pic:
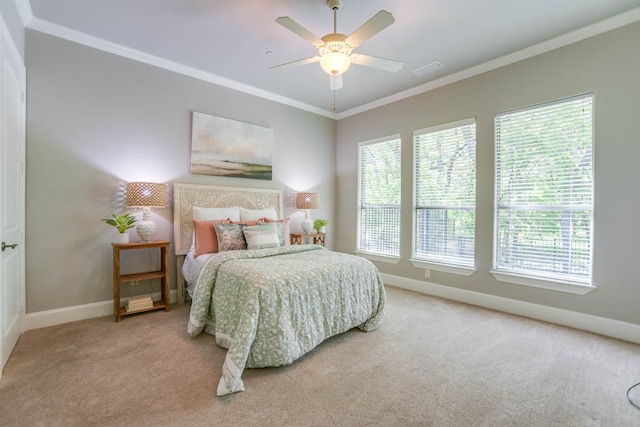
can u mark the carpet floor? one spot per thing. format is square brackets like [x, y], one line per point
[433, 362]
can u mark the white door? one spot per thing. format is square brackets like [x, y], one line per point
[12, 196]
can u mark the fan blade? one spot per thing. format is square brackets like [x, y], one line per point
[297, 63]
[335, 82]
[375, 62]
[293, 26]
[373, 26]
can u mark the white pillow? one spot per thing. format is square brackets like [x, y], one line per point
[261, 236]
[256, 214]
[212, 214]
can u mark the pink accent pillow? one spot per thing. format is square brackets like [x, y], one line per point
[206, 238]
[282, 228]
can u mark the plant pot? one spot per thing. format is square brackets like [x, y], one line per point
[121, 238]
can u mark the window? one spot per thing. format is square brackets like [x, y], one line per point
[544, 192]
[379, 197]
[445, 194]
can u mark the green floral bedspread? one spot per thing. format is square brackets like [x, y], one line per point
[269, 307]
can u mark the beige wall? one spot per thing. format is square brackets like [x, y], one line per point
[608, 65]
[97, 120]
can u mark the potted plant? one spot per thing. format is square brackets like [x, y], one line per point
[319, 224]
[122, 223]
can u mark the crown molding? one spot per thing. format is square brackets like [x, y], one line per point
[62, 32]
[600, 27]
[597, 28]
[24, 10]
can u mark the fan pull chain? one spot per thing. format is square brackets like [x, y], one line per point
[334, 91]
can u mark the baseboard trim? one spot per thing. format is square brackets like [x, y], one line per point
[586, 322]
[43, 319]
[599, 325]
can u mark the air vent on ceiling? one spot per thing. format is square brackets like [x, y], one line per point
[429, 68]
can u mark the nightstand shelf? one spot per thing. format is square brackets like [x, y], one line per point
[162, 274]
[157, 305]
[298, 238]
[141, 276]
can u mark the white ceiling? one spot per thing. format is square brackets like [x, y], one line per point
[227, 41]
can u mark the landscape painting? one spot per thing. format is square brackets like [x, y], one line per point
[231, 148]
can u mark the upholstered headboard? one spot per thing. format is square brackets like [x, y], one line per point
[186, 196]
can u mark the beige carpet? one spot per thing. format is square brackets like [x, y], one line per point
[432, 363]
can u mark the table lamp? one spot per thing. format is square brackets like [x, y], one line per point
[146, 195]
[307, 201]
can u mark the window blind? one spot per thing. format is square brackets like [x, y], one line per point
[544, 191]
[379, 179]
[445, 193]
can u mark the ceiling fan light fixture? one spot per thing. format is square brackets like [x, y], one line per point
[334, 54]
[335, 49]
[335, 63]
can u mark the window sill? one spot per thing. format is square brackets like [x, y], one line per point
[570, 288]
[377, 257]
[445, 268]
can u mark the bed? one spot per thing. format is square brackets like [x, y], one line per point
[270, 304]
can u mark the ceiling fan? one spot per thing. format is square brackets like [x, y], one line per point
[334, 49]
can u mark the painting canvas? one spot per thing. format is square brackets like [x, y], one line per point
[227, 147]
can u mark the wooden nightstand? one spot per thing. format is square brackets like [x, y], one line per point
[162, 274]
[298, 238]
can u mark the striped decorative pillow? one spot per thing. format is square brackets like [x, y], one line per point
[261, 236]
[282, 228]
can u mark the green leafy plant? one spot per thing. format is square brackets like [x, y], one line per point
[319, 223]
[121, 222]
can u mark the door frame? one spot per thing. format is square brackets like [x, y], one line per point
[9, 52]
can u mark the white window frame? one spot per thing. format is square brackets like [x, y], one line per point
[376, 256]
[452, 266]
[544, 281]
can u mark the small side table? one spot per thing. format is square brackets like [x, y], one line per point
[298, 238]
[162, 274]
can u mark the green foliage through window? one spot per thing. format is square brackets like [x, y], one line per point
[544, 190]
[445, 193]
[379, 180]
